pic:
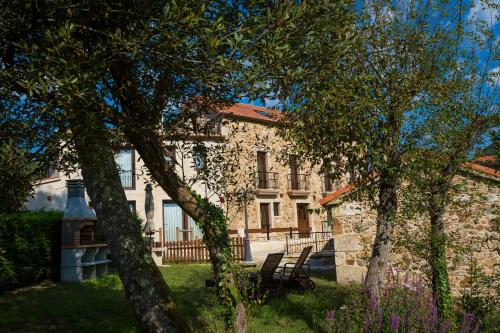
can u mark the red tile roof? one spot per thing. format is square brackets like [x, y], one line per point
[491, 158]
[337, 194]
[251, 112]
[482, 169]
[470, 165]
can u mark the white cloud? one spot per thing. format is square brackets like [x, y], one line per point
[269, 103]
[484, 11]
[494, 74]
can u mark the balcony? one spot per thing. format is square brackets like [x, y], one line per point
[299, 185]
[128, 180]
[267, 183]
[329, 184]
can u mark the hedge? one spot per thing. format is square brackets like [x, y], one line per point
[29, 248]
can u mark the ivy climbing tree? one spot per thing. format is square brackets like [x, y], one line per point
[100, 71]
[353, 87]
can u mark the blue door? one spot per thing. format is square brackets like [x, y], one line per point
[177, 225]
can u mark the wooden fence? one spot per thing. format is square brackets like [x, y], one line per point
[196, 251]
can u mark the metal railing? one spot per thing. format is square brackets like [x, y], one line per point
[267, 180]
[127, 179]
[295, 242]
[329, 183]
[299, 181]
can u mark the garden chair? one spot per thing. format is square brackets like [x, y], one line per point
[263, 282]
[297, 279]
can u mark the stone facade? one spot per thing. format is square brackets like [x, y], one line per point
[261, 137]
[471, 223]
[256, 134]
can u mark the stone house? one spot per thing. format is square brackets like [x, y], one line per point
[471, 221]
[285, 196]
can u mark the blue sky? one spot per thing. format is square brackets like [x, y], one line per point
[485, 10]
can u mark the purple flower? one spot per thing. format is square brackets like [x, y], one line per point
[444, 327]
[467, 319]
[433, 316]
[394, 319]
[330, 315]
[373, 301]
[476, 329]
[367, 325]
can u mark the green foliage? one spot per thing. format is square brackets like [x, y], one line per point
[481, 296]
[17, 174]
[29, 247]
[226, 288]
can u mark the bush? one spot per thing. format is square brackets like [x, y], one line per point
[29, 248]
[482, 296]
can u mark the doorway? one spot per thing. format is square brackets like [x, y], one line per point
[303, 220]
[265, 221]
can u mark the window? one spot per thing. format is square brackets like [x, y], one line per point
[262, 169]
[126, 165]
[328, 183]
[52, 172]
[352, 175]
[170, 155]
[131, 206]
[199, 159]
[276, 209]
[295, 181]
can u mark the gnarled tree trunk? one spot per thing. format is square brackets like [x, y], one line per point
[209, 218]
[146, 290]
[139, 126]
[386, 213]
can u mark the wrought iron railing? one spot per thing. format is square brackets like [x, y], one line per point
[299, 181]
[295, 242]
[267, 180]
[329, 183]
[127, 179]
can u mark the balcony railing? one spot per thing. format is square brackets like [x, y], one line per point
[299, 182]
[267, 180]
[329, 184]
[127, 179]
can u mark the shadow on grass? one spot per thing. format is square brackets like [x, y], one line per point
[299, 312]
[100, 306]
[92, 306]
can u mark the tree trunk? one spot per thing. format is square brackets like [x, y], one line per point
[386, 213]
[209, 218]
[145, 288]
[140, 126]
[440, 282]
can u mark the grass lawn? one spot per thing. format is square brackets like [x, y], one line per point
[100, 306]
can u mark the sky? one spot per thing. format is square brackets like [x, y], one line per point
[481, 9]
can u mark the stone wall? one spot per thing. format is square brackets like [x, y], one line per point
[469, 223]
[262, 137]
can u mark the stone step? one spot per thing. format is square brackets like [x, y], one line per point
[321, 262]
[325, 268]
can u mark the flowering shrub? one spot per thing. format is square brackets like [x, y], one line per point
[402, 307]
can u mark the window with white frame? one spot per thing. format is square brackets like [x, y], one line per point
[126, 165]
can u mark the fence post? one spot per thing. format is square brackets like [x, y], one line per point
[316, 241]
[286, 244]
[290, 232]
